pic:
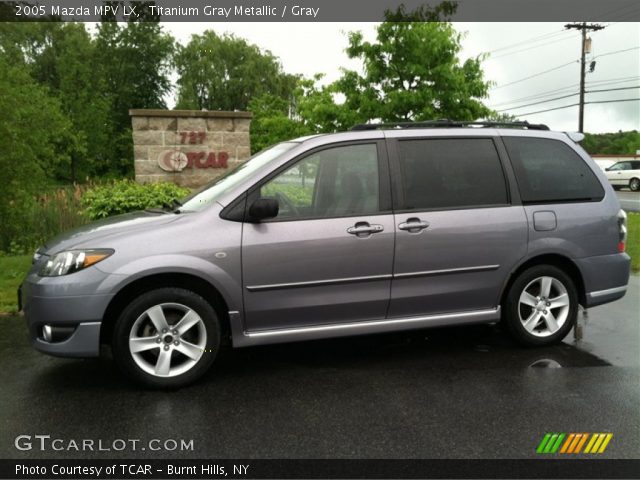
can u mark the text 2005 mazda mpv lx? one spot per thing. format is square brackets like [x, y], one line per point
[385, 227]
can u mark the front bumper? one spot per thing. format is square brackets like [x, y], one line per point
[79, 317]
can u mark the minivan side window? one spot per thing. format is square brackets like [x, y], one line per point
[451, 173]
[549, 171]
[334, 182]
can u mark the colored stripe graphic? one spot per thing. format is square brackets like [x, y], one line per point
[607, 439]
[556, 446]
[543, 443]
[582, 440]
[573, 443]
[598, 443]
[594, 437]
[567, 442]
[550, 443]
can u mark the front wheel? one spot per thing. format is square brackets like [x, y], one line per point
[541, 306]
[166, 338]
[634, 184]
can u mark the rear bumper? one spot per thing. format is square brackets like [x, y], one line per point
[605, 277]
[600, 297]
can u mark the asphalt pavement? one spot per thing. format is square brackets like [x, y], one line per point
[629, 201]
[464, 392]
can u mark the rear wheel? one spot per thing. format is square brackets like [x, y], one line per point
[616, 187]
[541, 306]
[166, 338]
[634, 184]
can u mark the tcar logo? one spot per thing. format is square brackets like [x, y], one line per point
[172, 161]
[176, 161]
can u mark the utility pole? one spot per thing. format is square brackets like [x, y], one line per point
[583, 26]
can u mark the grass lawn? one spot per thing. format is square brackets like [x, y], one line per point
[13, 269]
[12, 272]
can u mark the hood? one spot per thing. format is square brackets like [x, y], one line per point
[97, 234]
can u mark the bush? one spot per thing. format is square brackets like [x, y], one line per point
[31, 220]
[127, 196]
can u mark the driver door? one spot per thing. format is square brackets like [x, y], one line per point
[327, 257]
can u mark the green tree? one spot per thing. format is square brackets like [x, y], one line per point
[273, 122]
[617, 143]
[412, 72]
[225, 73]
[33, 133]
[80, 91]
[317, 107]
[134, 62]
[502, 117]
[61, 57]
[97, 81]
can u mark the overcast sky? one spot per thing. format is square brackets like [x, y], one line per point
[518, 50]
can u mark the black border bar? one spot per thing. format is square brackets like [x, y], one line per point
[393, 468]
[322, 10]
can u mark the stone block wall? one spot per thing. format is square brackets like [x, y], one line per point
[188, 147]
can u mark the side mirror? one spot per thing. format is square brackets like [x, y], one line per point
[263, 208]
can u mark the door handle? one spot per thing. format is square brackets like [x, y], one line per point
[364, 229]
[413, 225]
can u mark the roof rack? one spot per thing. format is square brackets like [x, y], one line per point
[448, 124]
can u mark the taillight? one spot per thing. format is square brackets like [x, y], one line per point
[622, 230]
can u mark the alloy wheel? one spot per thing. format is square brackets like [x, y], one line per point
[543, 306]
[167, 340]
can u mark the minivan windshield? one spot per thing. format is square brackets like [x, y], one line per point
[208, 194]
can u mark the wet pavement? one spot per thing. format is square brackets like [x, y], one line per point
[465, 392]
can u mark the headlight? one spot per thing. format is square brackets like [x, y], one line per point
[71, 261]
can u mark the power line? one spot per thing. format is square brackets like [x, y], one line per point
[606, 54]
[538, 103]
[576, 105]
[529, 48]
[545, 36]
[612, 80]
[562, 90]
[537, 95]
[612, 89]
[567, 96]
[536, 75]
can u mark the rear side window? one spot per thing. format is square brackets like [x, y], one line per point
[549, 171]
[451, 173]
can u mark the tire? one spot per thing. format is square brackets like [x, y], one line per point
[634, 184]
[616, 187]
[532, 319]
[166, 355]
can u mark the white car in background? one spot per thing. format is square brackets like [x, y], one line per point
[625, 173]
[604, 164]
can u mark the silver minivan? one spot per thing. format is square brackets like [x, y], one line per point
[382, 228]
